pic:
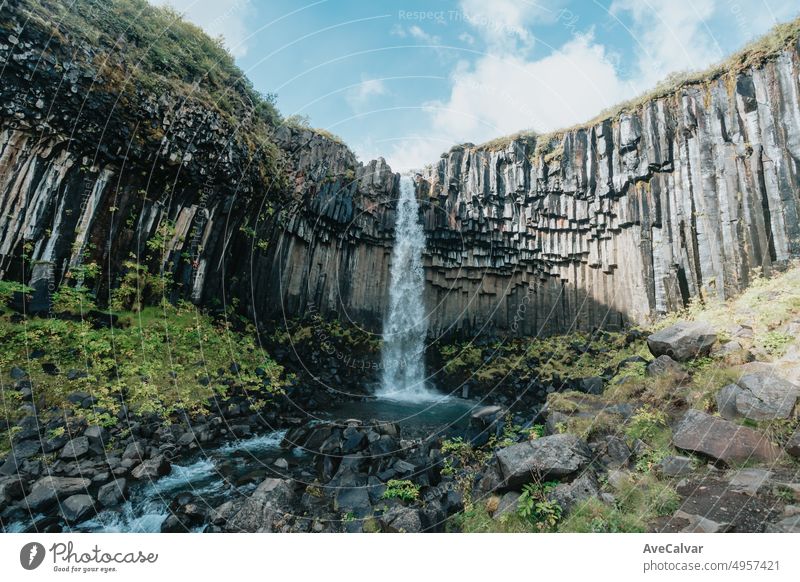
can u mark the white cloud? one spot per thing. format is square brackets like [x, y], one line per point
[669, 37]
[417, 32]
[504, 24]
[466, 38]
[359, 95]
[502, 94]
[225, 19]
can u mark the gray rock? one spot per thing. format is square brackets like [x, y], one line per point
[262, 511]
[666, 366]
[721, 439]
[549, 457]
[613, 451]
[676, 466]
[786, 525]
[135, 450]
[793, 445]
[402, 520]
[47, 490]
[75, 449]
[281, 464]
[354, 500]
[700, 524]
[593, 385]
[26, 449]
[113, 493]
[726, 401]
[11, 488]
[11, 466]
[78, 508]
[98, 437]
[683, 341]
[618, 478]
[152, 468]
[766, 397]
[507, 505]
[570, 495]
[750, 481]
[486, 415]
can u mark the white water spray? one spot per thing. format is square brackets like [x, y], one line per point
[405, 327]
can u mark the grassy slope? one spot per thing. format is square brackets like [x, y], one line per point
[166, 360]
[771, 306]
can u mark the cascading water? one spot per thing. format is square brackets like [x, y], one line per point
[405, 327]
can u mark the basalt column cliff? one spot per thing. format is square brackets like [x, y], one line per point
[682, 197]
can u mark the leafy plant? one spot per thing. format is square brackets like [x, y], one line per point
[404, 490]
[646, 424]
[534, 505]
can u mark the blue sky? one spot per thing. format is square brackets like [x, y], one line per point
[407, 79]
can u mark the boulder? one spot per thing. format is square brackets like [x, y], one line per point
[750, 481]
[113, 493]
[506, 505]
[262, 511]
[402, 520]
[135, 451]
[765, 396]
[11, 466]
[700, 524]
[486, 416]
[593, 385]
[683, 341]
[666, 366]
[722, 440]
[612, 451]
[569, 495]
[793, 445]
[786, 525]
[675, 466]
[152, 468]
[550, 457]
[726, 401]
[75, 449]
[11, 488]
[98, 437]
[47, 490]
[26, 449]
[353, 500]
[78, 508]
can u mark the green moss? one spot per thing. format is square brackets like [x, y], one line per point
[153, 359]
[591, 426]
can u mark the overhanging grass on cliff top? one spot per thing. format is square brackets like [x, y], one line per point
[752, 55]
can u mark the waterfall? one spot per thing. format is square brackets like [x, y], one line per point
[405, 327]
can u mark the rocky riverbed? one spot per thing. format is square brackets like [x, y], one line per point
[448, 465]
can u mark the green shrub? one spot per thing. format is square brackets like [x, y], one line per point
[534, 506]
[404, 490]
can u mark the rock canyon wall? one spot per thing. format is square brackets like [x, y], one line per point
[685, 195]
